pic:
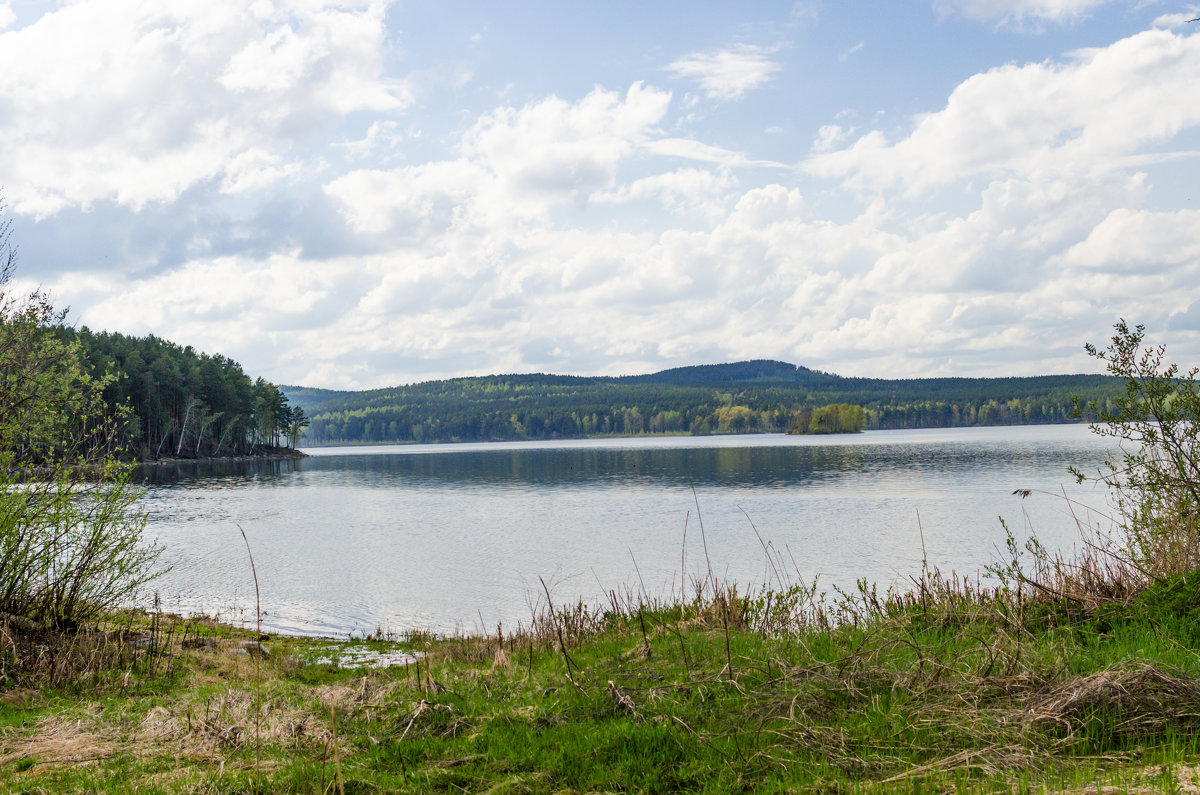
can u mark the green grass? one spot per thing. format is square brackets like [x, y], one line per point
[721, 694]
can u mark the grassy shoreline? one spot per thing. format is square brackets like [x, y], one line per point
[947, 687]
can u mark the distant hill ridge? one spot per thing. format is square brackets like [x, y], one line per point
[761, 371]
[759, 395]
[749, 372]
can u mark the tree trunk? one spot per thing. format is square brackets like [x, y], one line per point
[191, 404]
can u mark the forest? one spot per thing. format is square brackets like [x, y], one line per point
[746, 397]
[171, 401]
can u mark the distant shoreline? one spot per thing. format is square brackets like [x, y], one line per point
[665, 434]
[283, 454]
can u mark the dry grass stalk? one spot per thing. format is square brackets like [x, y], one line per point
[989, 762]
[1147, 699]
[59, 740]
[622, 700]
[203, 731]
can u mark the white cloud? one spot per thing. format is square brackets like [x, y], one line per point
[460, 289]
[1128, 240]
[830, 136]
[683, 190]
[254, 169]
[597, 233]
[856, 48]
[1082, 116]
[689, 149]
[7, 17]
[1017, 11]
[515, 163]
[807, 11]
[755, 272]
[407, 199]
[135, 101]
[1174, 20]
[381, 136]
[730, 73]
[554, 149]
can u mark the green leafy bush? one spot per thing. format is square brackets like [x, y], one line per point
[1156, 478]
[70, 547]
[70, 530]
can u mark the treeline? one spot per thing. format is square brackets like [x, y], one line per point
[172, 401]
[747, 397]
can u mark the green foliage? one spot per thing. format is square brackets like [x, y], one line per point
[1156, 479]
[835, 418]
[750, 397]
[49, 407]
[70, 533]
[71, 544]
[182, 403]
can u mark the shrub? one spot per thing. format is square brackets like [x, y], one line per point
[70, 547]
[70, 530]
[1156, 478]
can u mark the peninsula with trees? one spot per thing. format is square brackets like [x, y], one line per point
[171, 401]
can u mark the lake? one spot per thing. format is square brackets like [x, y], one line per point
[456, 537]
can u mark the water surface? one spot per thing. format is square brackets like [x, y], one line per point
[449, 537]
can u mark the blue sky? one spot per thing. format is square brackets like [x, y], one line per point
[357, 194]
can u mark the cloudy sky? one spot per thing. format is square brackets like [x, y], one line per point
[355, 194]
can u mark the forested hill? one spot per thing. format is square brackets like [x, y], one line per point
[758, 371]
[308, 398]
[743, 397]
[175, 402]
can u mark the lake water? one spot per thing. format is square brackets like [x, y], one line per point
[455, 537]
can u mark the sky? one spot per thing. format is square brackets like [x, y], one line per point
[362, 194]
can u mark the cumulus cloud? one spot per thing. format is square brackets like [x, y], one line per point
[687, 188]
[555, 148]
[1177, 19]
[727, 74]
[590, 233]
[254, 169]
[135, 101]
[1080, 116]
[1052, 235]
[1127, 240]
[514, 163]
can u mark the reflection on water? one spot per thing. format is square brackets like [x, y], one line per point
[777, 466]
[204, 474]
[436, 536]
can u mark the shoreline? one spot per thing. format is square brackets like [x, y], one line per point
[679, 434]
[945, 687]
[284, 454]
